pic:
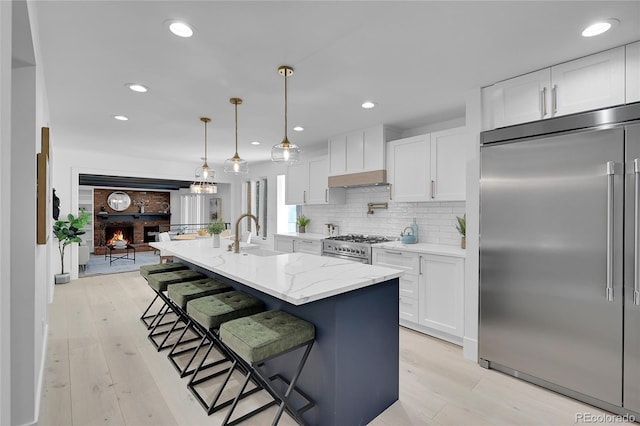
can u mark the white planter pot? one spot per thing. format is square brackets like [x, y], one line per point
[62, 278]
[216, 240]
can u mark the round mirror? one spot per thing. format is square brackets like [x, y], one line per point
[119, 201]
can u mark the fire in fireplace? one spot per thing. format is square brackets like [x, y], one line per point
[114, 233]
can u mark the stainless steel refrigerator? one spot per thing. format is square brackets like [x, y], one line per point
[559, 253]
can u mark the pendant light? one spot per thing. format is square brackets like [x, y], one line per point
[235, 164]
[285, 151]
[203, 183]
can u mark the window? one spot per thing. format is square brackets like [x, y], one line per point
[194, 211]
[286, 214]
[254, 201]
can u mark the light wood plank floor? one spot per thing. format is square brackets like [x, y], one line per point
[102, 370]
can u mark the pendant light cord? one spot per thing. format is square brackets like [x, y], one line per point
[286, 139]
[236, 105]
[205, 143]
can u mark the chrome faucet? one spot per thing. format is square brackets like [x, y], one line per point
[236, 241]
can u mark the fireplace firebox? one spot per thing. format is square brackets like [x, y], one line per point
[113, 232]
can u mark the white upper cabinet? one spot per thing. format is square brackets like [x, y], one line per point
[518, 100]
[592, 82]
[307, 183]
[633, 72]
[408, 171]
[588, 83]
[359, 151]
[429, 167]
[449, 164]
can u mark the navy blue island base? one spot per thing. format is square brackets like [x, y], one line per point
[353, 370]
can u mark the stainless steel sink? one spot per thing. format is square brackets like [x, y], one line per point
[259, 252]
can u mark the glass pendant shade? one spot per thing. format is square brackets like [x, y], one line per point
[203, 183]
[285, 151]
[235, 164]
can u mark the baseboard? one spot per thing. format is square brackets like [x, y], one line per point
[40, 384]
[470, 349]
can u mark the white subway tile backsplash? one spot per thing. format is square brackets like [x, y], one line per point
[436, 220]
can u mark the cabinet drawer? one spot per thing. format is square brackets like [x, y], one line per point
[409, 309]
[409, 285]
[397, 259]
[307, 246]
[284, 245]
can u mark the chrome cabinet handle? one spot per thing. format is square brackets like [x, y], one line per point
[393, 252]
[304, 197]
[636, 251]
[554, 99]
[326, 195]
[390, 197]
[420, 265]
[433, 189]
[544, 101]
[610, 229]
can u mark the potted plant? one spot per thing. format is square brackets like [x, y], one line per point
[461, 226]
[215, 229]
[68, 232]
[302, 221]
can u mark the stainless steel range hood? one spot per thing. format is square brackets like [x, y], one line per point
[372, 178]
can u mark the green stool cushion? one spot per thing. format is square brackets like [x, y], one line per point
[159, 282]
[183, 292]
[147, 270]
[265, 335]
[211, 311]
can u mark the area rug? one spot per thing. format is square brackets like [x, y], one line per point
[98, 265]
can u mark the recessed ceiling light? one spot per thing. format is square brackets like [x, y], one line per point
[121, 117]
[181, 29]
[599, 27]
[255, 143]
[298, 128]
[137, 87]
[368, 104]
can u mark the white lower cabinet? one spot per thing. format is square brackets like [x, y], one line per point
[307, 246]
[283, 244]
[431, 298]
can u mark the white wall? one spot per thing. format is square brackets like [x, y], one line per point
[23, 263]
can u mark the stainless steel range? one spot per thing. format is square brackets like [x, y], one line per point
[352, 247]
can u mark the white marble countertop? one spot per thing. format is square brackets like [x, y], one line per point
[424, 248]
[297, 278]
[305, 236]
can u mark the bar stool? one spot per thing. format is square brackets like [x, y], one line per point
[258, 338]
[159, 283]
[180, 295]
[147, 270]
[207, 314]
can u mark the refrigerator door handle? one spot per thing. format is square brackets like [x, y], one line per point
[611, 167]
[636, 224]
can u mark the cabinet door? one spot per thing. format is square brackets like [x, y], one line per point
[282, 244]
[337, 155]
[520, 99]
[408, 167]
[449, 164]
[297, 183]
[307, 246]
[318, 182]
[355, 152]
[374, 149]
[633, 72]
[592, 82]
[441, 294]
[409, 309]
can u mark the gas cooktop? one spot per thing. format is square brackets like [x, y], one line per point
[359, 238]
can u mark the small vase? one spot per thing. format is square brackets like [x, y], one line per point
[141, 209]
[302, 229]
[463, 242]
[216, 240]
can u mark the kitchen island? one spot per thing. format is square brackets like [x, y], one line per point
[352, 371]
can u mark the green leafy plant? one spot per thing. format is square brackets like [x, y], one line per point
[461, 226]
[303, 220]
[215, 227]
[69, 231]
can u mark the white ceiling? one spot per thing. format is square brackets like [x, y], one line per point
[416, 59]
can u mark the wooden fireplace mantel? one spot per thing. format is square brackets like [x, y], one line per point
[133, 217]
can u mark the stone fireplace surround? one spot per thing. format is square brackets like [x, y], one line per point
[156, 203]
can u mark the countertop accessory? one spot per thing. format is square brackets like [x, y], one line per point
[285, 151]
[407, 236]
[461, 226]
[235, 164]
[203, 183]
